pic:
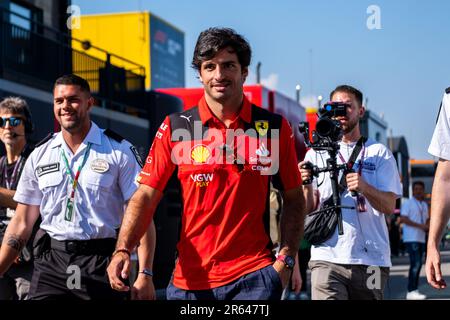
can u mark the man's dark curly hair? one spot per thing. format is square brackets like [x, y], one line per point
[213, 40]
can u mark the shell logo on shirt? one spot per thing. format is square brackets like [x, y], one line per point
[200, 154]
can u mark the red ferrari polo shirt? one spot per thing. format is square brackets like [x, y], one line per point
[225, 183]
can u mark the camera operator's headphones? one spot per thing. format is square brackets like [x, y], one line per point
[28, 122]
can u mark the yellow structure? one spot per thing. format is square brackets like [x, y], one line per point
[127, 35]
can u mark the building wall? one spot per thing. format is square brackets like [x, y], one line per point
[372, 126]
[140, 37]
[124, 34]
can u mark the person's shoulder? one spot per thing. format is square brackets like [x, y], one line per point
[406, 203]
[258, 112]
[184, 114]
[42, 145]
[114, 136]
[183, 118]
[122, 145]
[378, 150]
[117, 140]
[313, 155]
[40, 149]
[376, 146]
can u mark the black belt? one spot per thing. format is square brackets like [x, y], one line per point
[95, 246]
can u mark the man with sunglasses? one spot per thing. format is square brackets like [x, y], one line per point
[224, 251]
[15, 126]
[79, 181]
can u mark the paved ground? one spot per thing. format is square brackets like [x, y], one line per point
[397, 284]
[398, 280]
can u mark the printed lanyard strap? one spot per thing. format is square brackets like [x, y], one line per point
[10, 180]
[74, 180]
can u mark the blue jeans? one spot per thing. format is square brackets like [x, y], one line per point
[415, 252]
[262, 284]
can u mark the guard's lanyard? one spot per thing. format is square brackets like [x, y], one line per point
[73, 180]
[10, 180]
[350, 164]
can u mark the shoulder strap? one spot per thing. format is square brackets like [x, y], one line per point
[352, 159]
[27, 150]
[356, 151]
[113, 135]
[48, 137]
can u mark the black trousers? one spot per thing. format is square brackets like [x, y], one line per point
[71, 275]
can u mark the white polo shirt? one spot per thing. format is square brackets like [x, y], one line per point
[106, 182]
[365, 240]
[440, 142]
[416, 211]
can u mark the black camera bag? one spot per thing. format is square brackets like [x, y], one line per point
[320, 224]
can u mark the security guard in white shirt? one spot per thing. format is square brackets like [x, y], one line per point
[79, 181]
[440, 201]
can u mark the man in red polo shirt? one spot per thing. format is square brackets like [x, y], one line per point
[227, 151]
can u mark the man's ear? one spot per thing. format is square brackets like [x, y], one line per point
[245, 73]
[362, 111]
[199, 76]
[91, 102]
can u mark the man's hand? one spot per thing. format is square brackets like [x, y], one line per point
[355, 182]
[119, 267]
[433, 268]
[283, 272]
[143, 288]
[296, 279]
[305, 171]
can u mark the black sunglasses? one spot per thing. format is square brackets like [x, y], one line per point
[13, 121]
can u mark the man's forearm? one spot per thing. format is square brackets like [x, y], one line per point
[411, 223]
[308, 193]
[137, 217]
[16, 235]
[440, 203]
[6, 198]
[380, 200]
[292, 221]
[146, 249]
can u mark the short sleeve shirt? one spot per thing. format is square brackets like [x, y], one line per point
[440, 142]
[106, 182]
[225, 193]
[416, 211]
[365, 239]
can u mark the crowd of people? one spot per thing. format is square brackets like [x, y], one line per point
[75, 206]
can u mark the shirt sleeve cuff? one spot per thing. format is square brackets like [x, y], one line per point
[20, 198]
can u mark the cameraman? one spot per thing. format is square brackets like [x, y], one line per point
[340, 266]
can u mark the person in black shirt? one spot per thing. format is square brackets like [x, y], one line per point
[15, 126]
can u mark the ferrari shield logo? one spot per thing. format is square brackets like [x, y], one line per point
[262, 126]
